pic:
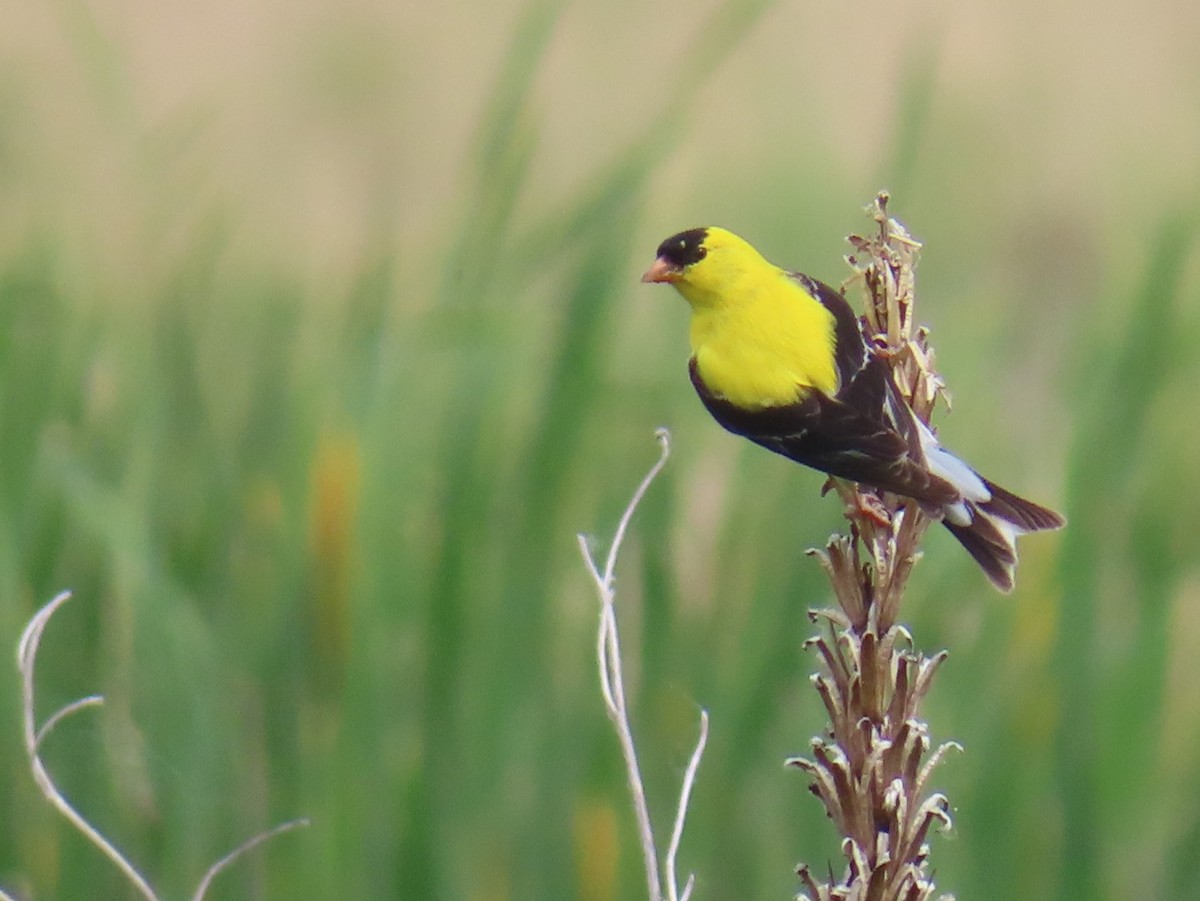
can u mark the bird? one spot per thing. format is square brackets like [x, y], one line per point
[780, 358]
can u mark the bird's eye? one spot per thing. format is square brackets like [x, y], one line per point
[701, 253]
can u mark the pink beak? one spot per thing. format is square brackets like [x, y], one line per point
[661, 271]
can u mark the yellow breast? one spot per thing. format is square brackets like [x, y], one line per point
[768, 344]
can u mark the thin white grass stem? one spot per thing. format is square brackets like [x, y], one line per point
[685, 795]
[612, 685]
[59, 716]
[27, 650]
[664, 443]
[588, 561]
[608, 654]
[619, 715]
[243, 848]
[610, 703]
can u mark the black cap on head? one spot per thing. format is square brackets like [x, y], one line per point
[685, 248]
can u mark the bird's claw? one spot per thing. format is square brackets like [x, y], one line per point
[869, 507]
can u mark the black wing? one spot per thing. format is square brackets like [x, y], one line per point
[850, 353]
[852, 436]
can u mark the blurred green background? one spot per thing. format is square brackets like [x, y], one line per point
[321, 336]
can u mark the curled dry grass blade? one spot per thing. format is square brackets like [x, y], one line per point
[35, 735]
[612, 687]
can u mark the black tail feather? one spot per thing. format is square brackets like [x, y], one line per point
[1025, 515]
[990, 537]
[992, 549]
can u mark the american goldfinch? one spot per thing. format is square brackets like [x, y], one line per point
[780, 358]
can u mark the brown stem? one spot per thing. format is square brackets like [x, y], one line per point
[870, 769]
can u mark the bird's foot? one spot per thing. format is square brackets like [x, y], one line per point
[871, 508]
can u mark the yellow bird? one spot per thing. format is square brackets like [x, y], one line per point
[779, 358]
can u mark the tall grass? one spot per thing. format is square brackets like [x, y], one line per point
[1112, 663]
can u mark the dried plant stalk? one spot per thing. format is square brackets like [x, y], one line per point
[612, 687]
[35, 735]
[871, 770]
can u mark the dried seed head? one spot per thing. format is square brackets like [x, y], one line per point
[872, 775]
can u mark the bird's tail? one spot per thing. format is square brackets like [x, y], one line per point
[989, 530]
